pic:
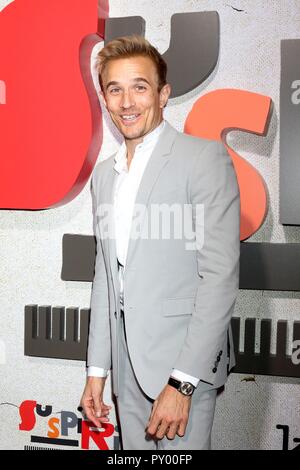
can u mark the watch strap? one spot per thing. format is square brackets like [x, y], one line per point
[174, 383]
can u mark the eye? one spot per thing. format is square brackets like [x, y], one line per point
[114, 91]
[140, 88]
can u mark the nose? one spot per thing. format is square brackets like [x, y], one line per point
[127, 99]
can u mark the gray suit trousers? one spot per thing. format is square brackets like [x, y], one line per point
[134, 409]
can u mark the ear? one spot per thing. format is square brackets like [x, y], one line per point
[101, 94]
[164, 95]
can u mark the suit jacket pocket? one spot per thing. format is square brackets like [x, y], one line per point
[178, 306]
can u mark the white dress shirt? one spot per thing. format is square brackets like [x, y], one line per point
[127, 184]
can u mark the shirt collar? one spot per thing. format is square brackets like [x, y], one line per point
[148, 140]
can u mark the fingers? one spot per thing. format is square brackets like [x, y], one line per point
[159, 427]
[153, 425]
[182, 428]
[88, 414]
[162, 430]
[96, 413]
[172, 431]
[165, 429]
[102, 412]
[100, 409]
[154, 406]
[97, 405]
[105, 410]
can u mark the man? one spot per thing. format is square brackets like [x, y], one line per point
[160, 306]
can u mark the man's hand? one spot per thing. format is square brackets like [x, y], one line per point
[92, 401]
[170, 414]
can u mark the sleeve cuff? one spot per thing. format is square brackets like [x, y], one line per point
[177, 374]
[96, 372]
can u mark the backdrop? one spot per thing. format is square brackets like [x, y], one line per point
[39, 396]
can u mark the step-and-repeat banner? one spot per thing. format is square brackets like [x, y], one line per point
[234, 69]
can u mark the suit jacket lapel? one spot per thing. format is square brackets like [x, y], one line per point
[156, 163]
[110, 241]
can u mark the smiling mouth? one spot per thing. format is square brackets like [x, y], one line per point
[128, 119]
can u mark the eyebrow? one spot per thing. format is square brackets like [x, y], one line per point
[138, 79]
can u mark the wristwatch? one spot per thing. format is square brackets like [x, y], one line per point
[186, 388]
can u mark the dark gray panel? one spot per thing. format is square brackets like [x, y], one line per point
[194, 46]
[66, 341]
[194, 50]
[123, 26]
[79, 252]
[270, 266]
[264, 363]
[249, 346]
[265, 266]
[290, 133]
[74, 346]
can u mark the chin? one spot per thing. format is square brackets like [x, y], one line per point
[132, 134]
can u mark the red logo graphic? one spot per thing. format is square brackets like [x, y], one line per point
[50, 117]
[58, 428]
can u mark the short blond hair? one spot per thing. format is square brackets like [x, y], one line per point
[131, 46]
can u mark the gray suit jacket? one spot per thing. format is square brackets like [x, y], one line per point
[178, 302]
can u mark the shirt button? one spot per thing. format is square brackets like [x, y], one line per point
[214, 370]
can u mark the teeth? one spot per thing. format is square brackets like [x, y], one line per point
[129, 118]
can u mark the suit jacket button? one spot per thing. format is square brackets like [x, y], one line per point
[218, 358]
[115, 314]
[220, 353]
[214, 370]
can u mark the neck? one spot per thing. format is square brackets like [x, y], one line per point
[131, 144]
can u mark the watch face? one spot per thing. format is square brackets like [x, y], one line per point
[186, 388]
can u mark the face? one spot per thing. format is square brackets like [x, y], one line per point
[130, 92]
